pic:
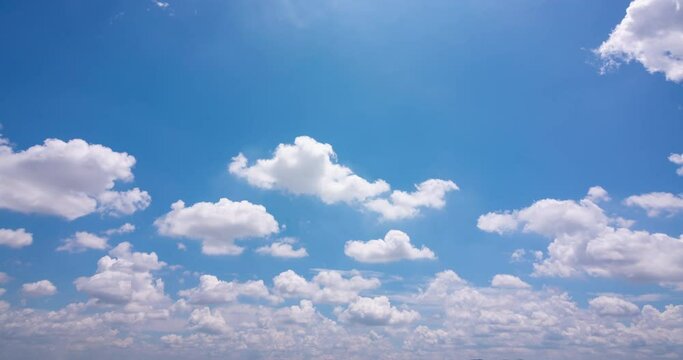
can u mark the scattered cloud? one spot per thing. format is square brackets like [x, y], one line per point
[38, 289]
[403, 205]
[15, 238]
[67, 179]
[217, 225]
[283, 249]
[657, 203]
[328, 286]
[678, 160]
[508, 281]
[394, 247]
[126, 228]
[82, 241]
[375, 312]
[211, 290]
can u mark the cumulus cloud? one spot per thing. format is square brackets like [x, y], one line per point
[124, 278]
[126, 228]
[67, 179]
[205, 320]
[656, 203]
[39, 289]
[211, 290]
[376, 311]
[508, 281]
[15, 238]
[217, 225]
[597, 194]
[309, 167]
[327, 286]
[613, 306]
[650, 33]
[82, 241]
[586, 241]
[678, 160]
[283, 249]
[403, 205]
[394, 247]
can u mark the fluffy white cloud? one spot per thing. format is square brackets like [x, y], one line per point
[38, 288]
[15, 238]
[283, 248]
[310, 167]
[307, 167]
[327, 286]
[217, 225]
[126, 228]
[678, 160]
[613, 306]
[656, 203]
[82, 241]
[376, 311]
[124, 278]
[597, 194]
[204, 320]
[404, 205]
[585, 241]
[651, 34]
[68, 179]
[508, 281]
[211, 290]
[394, 247]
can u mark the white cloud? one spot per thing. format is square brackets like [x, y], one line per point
[597, 194]
[4, 277]
[678, 160]
[161, 4]
[38, 288]
[124, 278]
[508, 281]
[283, 248]
[307, 167]
[15, 238]
[656, 203]
[204, 320]
[211, 290]
[82, 241]
[650, 33]
[123, 202]
[181, 246]
[404, 205]
[584, 241]
[326, 287]
[518, 255]
[613, 306]
[2, 291]
[217, 225]
[68, 179]
[394, 247]
[376, 311]
[126, 228]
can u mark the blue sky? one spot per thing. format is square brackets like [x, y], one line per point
[514, 102]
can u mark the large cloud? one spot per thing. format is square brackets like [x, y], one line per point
[217, 225]
[586, 241]
[68, 179]
[15, 238]
[310, 167]
[394, 247]
[650, 33]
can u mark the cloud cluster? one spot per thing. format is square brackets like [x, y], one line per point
[394, 247]
[67, 179]
[328, 286]
[211, 290]
[309, 167]
[650, 33]
[217, 225]
[587, 241]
